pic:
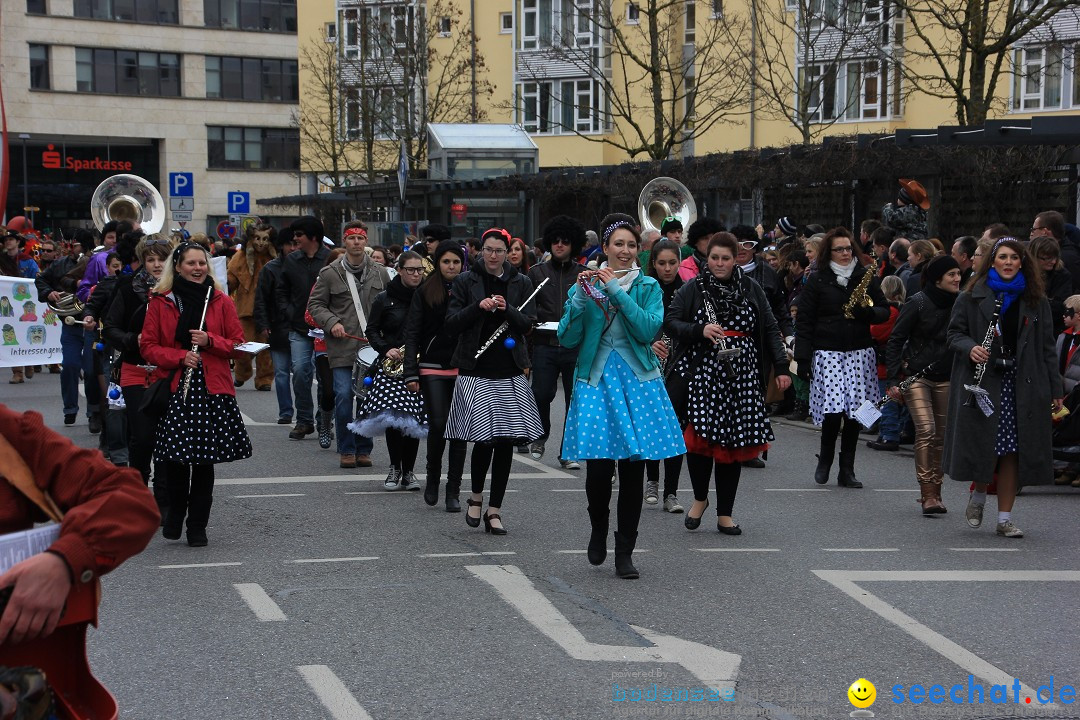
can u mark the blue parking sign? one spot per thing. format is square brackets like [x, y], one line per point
[239, 203]
[181, 184]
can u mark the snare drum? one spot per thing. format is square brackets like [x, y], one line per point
[366, 357]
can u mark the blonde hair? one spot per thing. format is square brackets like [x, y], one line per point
[1073, 302]
[893, 289]
[168, 275]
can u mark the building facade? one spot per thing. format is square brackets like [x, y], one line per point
[93, 88]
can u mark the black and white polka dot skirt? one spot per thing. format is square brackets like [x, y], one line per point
[389, 403]
[204, 429]
[1005, 441]
[842, 381]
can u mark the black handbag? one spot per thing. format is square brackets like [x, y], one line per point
[155, 401]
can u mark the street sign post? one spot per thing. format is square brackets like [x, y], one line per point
[226, 230]
[179, 216]
[183, 204]
[239, 203]
[182, 184]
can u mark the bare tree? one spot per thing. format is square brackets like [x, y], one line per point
[964, 47]
[662, 78]
[802, 52]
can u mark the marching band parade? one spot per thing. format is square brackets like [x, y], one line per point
[679, 341]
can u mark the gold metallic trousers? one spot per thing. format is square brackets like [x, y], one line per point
[928, 403]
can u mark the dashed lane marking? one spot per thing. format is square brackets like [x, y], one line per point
[797, 489]
[466, 554]
[332, 693]
[336, 559]
[984, 549]
[750, 550]
[406, 493]
[269, 495]
[264, 607]
[861, 549]
[199, 565]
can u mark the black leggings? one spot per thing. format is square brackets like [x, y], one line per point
[672, 470]
[191, 490]
[830, 428]
[499, 456]
[438, 392]
[727, 481]
[326, 383]
[631, 491]
[402, 449]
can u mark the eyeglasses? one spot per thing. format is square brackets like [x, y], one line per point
[843, 249]
[495, 251]
[1069, 312]
[747, 244]
[1036, 229]
[156, 241]
[412, 270]
[560, 241]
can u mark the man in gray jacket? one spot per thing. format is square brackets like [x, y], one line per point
[332, 306]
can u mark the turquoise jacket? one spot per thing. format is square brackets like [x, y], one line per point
[641, 312]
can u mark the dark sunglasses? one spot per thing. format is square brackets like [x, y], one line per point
[560, 241]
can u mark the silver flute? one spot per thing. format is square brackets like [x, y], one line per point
[506, 323]
[194, 347]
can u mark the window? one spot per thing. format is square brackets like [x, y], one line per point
[381, 109]
[823, 13]
[373, 33]
[331, 32]
[1076, 77]
[253, 148]
[817, 94]
[633, 14]
[35, 7]
[506, 23]
[143, 11]
[856, 90]
[255, 79]
[690, 18]
[444, 26]
[264, 15]
[127, 72]
[39, 67]
[689, 108]
[717, 9]
[1037, 78]
[560, 106]
[536, 22]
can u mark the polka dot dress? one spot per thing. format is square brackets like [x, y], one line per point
[1005, 441]
[622, 418]
[204, 429]
[842, 381]
[390, 404]
[725, 407]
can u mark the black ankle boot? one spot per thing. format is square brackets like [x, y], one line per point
[453, 504]
[431, 490]
[824, 467]
[624, 548]
[173, 524]
[847, 471]
[198, 516]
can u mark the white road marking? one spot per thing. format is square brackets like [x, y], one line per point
[861, 549]
[582, 552]
[737, 549]
[907, 490]
[199, 565]
[404, 492]
[614, 490]
[714, 668]
[251, 423]
[797, 490]
[339, 559]
[352, 477]
[975, 549]
[264, 607]
[332, 693]
[548, 470]
[239, 497]
[846, 581]
[467, 554]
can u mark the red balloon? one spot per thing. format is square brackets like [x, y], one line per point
[20, 224]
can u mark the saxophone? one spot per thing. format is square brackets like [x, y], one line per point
[394, 368]
[860, 298]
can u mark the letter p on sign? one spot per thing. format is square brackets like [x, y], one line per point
[181, 184]
[239, 203]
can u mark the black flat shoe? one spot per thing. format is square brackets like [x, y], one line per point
[489, 528]
[431, 494]
[196, 538]
[597, 552]
[624, 567]
[453, 505]
[690, 522]
[733, 530]
[469, 519]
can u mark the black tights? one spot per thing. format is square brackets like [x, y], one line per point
[326, 383]
[498, 456]
[672, 470]
[830, 428]
[727, 481]
[402, 450]
[191, 491]
[631, 491]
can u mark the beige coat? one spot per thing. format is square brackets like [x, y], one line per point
[243, 271]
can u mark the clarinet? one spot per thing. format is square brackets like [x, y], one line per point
[906, 383]
[978, 394]
[195, 348]
[506, 323]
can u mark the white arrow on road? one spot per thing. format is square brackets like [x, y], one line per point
[714, 668]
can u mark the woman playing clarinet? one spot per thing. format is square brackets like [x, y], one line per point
[722, 325]
[1002, 334]
[619, 411]
[190, 331]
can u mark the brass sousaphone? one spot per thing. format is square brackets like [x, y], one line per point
[665, 197]
[131, 198]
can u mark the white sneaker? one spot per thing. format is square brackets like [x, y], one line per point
[409, 481]
[537, 450]
[393, 480]
[569, 464]
[1009, 530]
[974, 513]
[652, 490]
[671, 504]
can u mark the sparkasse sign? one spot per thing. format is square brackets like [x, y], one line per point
[52, 160]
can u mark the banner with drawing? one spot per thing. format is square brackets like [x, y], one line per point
[29, 330]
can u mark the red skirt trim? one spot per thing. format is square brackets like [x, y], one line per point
[700, 446]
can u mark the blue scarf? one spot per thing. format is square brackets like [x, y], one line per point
[1008, 291]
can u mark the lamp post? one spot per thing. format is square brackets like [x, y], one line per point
[26, 183]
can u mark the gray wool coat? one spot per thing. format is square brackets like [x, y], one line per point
[969, 435]
[331, 303]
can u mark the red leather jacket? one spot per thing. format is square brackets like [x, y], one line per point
[159, 346]
[109, 515]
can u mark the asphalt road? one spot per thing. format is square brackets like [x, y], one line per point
[323, 596]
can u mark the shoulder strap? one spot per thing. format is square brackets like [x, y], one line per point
[17, 472]
[350, 280]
